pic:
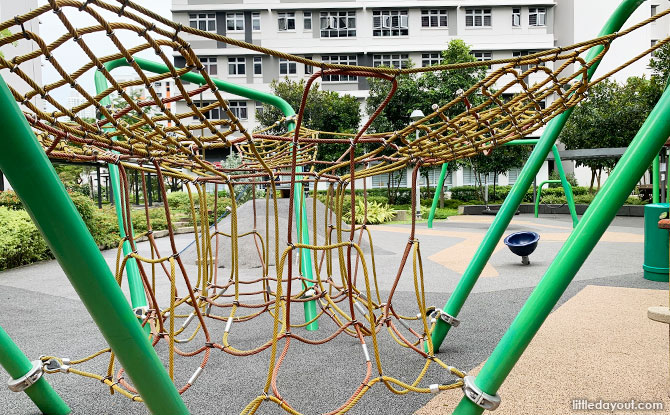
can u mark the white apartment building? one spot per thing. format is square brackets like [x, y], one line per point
[393, 32]
[8, 10]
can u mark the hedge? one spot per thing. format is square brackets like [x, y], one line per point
[20, 241]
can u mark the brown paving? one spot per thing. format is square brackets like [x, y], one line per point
[453, 258]
[598, 345]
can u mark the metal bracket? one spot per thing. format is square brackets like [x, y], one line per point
[446, 317]
[478, 396]
[27, 380]
[54, 365]
[141, 312]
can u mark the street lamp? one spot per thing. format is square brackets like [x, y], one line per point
[416, 115]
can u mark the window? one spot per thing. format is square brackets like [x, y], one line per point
[307, 20]
[400, 60]
[342, 60]
[434, 18]
[654, 10]
[483, 55]
[389, 23]
[235, 22]
[537, 16]
[338, 24]
[203, 21]
[516, 17]
[398, 178]
[478, 17]
[518, 54]
[238, 108]
[512, 175]
[212, 114]
[287, 67]
[468, 176]
[209, 63]
[237, 66]
[256, 21]
[432, 58]
[286, 21]
[653, 43]
[259, 109]
[258, 65]
[309, 70]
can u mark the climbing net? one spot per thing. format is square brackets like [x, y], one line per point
[167, 137]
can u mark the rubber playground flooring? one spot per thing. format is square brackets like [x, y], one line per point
[598, 343]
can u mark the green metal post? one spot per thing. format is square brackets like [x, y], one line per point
[135, 285]
[656, 171]
[567, 188]
[515, 196]
[306, 258]
[539, 194]
[18, 365]
[436, 197]
[35, 181]
[287, 110]
[628, 171]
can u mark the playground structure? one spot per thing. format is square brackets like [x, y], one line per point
[335, 280]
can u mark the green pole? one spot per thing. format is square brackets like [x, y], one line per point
[515, 196]
[18, 365]
[539, 194]
[306, 259]
[438, 191]
[35, 181]
[567, 188]
[135, 285]
[656, 171]
[628, 171]
[287, 110]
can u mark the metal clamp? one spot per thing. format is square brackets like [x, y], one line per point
[27, 380]
[446, 317]
[478, 396]
[55, 365]
[141, 312]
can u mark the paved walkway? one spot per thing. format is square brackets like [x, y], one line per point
[43, 314]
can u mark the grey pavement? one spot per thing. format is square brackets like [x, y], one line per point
[42, 313]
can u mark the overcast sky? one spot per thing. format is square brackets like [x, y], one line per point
[70, 55]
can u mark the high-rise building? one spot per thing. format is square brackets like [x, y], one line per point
[393, 33]
[9, 9]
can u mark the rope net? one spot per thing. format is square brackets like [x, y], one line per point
[166, 137]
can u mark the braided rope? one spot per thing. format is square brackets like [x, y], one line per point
[165, 136]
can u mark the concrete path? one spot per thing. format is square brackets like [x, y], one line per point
[42, 313]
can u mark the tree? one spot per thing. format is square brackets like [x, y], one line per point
[422, 91]
[609, 116]
[500, 161]
[438, 87]
[660, 64]
[324, 111]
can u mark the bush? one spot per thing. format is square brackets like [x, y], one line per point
[179, 201]
[467, 192]
[10, 200]
[20, 241]
[555, 176]
[376, 213]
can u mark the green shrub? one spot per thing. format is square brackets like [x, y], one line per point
[555, 176]
[376, 212]
[179, 201]
[104, 228]
[10, 200]
[156, 215]
[20, 241]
